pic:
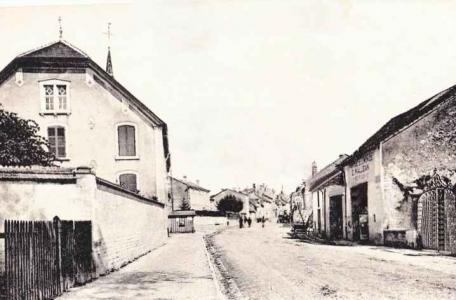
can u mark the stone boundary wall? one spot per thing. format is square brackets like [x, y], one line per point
[125, 225]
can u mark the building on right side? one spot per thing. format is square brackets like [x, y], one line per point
[401, 183]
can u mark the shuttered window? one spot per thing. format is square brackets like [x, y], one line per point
[128, 181]
[126, 139]
[56, 138]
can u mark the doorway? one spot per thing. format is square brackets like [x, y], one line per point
[359, 212]
[335, 217]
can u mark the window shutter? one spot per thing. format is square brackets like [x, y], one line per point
[52, 140]
[127, 142]
[61, 151]
[56, 138]
[131, 151]
[122, 137]
[128, 181]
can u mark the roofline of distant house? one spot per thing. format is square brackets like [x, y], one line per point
[195, 186]
[231, 190]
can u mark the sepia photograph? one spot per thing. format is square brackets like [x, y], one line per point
[227, 149]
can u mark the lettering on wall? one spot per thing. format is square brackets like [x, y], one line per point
[359, 172]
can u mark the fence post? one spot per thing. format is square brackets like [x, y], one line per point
[7, 260]
[58, 248]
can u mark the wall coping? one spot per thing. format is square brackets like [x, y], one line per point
[67, 175]
[40, 173]
[109, 184]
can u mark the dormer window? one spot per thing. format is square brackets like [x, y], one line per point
[55, 97]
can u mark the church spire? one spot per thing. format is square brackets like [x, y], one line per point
[108, 61]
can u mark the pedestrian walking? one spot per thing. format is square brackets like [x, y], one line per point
[249, 221]
[262, 221]
[240, 222]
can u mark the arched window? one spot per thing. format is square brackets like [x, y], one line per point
[128, 181]
[126, 139]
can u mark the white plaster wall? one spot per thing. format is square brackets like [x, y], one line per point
[122, 228]
[41, 201]
[199, 200]
[97, 146]
[207, 224]
[125, 229]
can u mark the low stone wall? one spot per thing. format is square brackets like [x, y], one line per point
[124, 225]
[210, 223]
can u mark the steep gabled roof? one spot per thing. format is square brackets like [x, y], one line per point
[61, 54]
[56, 49]
[401, 121]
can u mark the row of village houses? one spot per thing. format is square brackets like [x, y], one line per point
[258, 201]
[397, 188]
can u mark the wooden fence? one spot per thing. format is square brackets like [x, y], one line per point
[181, 225]
[44, 258]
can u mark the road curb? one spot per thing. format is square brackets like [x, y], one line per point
[230, 291]
[220, 294]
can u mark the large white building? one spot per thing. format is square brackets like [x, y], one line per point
[88, 117]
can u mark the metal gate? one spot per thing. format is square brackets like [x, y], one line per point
[436, 219]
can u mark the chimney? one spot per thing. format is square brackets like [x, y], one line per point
[184, 177]
[254, 186]
[198, 182]
[314, 168]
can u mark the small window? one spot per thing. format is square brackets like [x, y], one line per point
[62, 90]
[128, 181]
[127, 140]
[57, 143]
[55, 96]
[49, 94]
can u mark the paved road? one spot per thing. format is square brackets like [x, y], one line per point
[264, 264]
[177, 270]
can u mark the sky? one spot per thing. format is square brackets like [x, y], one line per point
[254, 91]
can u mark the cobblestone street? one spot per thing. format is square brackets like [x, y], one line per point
[265, 264]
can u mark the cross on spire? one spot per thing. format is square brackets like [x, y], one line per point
[109, 34]
[108, 61]
[60, 28]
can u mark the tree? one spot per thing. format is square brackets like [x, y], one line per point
[185, 205]
[230, 204]
[20, 144]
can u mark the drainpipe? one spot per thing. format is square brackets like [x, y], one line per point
[382, 182]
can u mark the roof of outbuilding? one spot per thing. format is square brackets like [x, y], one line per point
[400, 121]
[182, 213]
[61, 54]
[326, 173]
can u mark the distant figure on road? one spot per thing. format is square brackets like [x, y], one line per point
[249, 221]
[262, 221]
[240, 222]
